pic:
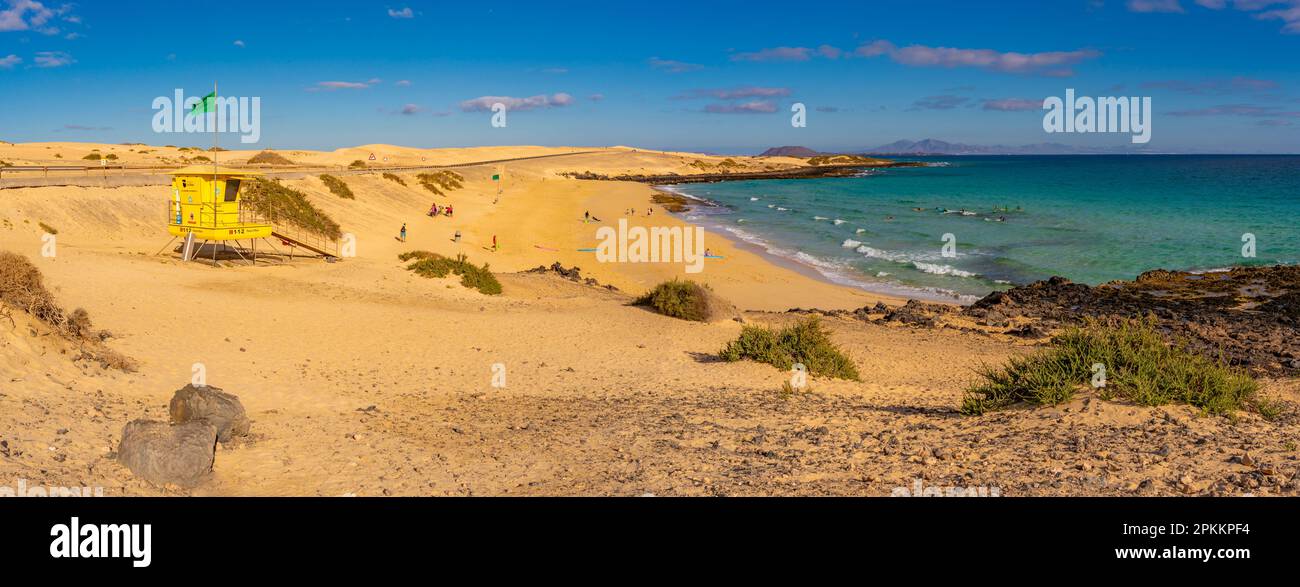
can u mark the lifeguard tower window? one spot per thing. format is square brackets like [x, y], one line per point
[232, 189]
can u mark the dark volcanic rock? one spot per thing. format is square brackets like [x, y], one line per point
[1251, 314]
[213, 405]
[163, 454]
[917, 313]
[572, 274]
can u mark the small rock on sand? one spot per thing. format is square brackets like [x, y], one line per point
[213, 405]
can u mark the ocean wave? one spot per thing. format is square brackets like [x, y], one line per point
[820, 218]
[753, 199]
[936, 269]
[851, 244]
[839, 222]
[903, 257]
[844, 273]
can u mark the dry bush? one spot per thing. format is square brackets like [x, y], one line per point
[22, 287]
[269, 157]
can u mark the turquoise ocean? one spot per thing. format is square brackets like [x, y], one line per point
[1015, 220]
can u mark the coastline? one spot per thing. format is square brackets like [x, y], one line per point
[679, 204]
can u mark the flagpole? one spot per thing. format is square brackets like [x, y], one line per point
[215, 116]
[214, 132]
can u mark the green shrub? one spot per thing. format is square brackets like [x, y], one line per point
[47, 228]
[805, 341]
[279, 203]
[358, 164]
[428, 264]
[111, 157]
[395, 178]
[337, 187]
[92, 157]
[1139, 366]
[679, 299]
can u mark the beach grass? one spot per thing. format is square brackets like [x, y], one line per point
[427, 264]
[358, 164]
[279, 203]
[805, 342]
[1139, 366]
[47, 228]
[441, 181]
[395, 177]
[338, 187]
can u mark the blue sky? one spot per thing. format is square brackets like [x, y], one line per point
[718, 76]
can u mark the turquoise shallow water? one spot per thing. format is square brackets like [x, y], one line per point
[1089, 218]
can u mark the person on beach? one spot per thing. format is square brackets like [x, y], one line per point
[586, 217]
[403, 232]
[448, 209]
[457, 237]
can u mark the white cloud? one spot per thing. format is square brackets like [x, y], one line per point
[403, 13]
[10, 61]
[776, 54]
[673, 66]
[22, 15]
[1051, 63]
[239, 43]
[542, 101]
[49, 59]
[337, 85]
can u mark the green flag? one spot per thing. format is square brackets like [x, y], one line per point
[207, 104]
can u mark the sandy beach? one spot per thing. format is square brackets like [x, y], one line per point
[362, 378]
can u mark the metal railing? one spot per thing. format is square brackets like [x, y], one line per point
[212, 217]
[46, 169]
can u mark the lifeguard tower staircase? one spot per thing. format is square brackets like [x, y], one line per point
[207, 204]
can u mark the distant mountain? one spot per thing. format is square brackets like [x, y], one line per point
[937, 147]
[802, 152]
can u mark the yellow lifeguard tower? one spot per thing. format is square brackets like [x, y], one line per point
[206, 202]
